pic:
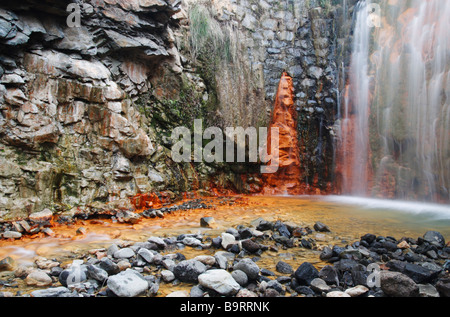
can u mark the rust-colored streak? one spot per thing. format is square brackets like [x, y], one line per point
[146, 201]
[287, 179]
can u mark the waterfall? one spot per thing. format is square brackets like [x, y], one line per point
[394, 137]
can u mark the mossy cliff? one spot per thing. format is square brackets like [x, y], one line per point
[86, 113]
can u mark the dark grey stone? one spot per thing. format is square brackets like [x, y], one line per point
[189, 270]
[305, 273]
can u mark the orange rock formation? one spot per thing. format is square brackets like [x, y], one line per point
[287, 179]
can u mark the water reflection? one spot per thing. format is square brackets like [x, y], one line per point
[349, 218]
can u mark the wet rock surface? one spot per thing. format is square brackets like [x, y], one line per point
[86, 112]
[368, 267]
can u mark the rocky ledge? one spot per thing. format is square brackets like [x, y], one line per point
[230, 265]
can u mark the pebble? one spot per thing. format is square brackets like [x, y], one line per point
[76, 273]
[192, 242]
[7, 264]
[283, 267]
[146, 255]
[319, 285]
[51, 292]
[357, 291]
[81, 231]
[136, 269]
[337, 294]
[124, 253]
[11, 235]
[96, 273]
[305, 273]
[178, 294]
[428, 290]
[240, 277]
[246, 293]
[38, 278]
[206, 259]
[109, 266]
[318, 226]
[167, 276]
[158, 241]
[227, 239]
[208, 222]
[396, 284]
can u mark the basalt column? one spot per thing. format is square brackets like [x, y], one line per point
[286, 180]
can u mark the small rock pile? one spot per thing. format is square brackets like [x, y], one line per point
[399, 268]
[43, 221]
[374, 266]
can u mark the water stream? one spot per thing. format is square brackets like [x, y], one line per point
[348, 217]
[395, 130]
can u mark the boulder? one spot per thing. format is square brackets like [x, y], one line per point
[443, 287]
[76, 273]
[189, 270]
[397, 284]
[435, 238]
[248, 267]
[7, 264]
[220, 281]
[42, 216]
[305, 273]
[128, 283]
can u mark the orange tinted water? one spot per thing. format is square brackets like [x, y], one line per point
[347, 221]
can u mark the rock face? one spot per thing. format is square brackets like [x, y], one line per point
[84, 110]
[287, 177]
[86, 113]
[266, 40]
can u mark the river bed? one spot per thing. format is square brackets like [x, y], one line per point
[348, 218]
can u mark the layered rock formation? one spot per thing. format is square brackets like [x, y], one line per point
[86, 113]
[75, 127]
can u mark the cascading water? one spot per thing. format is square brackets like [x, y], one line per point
[395, 125]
